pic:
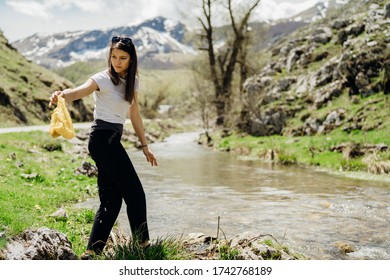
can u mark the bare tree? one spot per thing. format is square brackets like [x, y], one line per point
[202, 94]
[222, 64]
[150, 110]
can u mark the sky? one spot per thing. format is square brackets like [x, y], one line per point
[22, 18]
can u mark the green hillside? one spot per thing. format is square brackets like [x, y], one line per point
[321, 100]
[25, 89]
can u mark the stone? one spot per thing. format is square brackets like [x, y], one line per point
[345, 248]
[244, 246]
[333, 120]
[311, 126]
[338, 24]
[60, 214]
[87, 169]
[356, 29]
[322, 35]
[352, 150]
[40, 244]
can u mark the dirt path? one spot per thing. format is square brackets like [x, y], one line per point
[39, 128]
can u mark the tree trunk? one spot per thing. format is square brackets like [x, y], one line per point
[222, 76]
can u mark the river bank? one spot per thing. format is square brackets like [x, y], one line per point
[40, 175]
[43, 167]
[364, 156]
[351, 157]
[311, 212]
[43, 178]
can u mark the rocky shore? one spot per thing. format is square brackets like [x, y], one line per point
[49, 244]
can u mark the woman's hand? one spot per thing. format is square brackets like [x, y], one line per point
[54, 97]
[149, 156]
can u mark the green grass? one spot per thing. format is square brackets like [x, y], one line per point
[228, 253]
[37, 177]
[35, 182]
[162, 249]
[308, 151]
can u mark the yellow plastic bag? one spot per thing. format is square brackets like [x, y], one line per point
[61, 123]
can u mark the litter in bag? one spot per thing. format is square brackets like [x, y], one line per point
[61, 123]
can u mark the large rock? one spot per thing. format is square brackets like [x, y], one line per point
[39, 244]
[322, 35]
[245, 246]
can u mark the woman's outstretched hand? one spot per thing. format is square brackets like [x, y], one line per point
[54, 97]
[149, 156]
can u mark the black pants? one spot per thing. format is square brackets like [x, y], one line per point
[117, 180]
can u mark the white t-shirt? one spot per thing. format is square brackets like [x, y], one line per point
[110, 103]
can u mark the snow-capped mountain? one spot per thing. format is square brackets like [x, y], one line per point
[151, 37]
[319, 10]
[282, 27]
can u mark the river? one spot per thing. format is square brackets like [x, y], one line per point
[308, 211]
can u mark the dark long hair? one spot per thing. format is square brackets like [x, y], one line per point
[131, 71]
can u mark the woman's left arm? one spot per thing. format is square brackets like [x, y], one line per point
[136, 121]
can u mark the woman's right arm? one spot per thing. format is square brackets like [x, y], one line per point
[76, 93]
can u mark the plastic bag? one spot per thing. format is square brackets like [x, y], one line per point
[61, 123]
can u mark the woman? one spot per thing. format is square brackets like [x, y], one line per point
[115, 94]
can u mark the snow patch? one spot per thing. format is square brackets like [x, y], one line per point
[89, 55]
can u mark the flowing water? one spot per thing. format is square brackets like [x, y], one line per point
[309, 211]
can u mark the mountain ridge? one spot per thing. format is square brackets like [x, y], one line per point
[152, 38]
[158, 35]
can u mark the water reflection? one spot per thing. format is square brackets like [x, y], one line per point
[306, 210]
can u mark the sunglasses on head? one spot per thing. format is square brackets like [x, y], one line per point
[124, 40]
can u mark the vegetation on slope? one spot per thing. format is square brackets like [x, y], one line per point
[25, 89]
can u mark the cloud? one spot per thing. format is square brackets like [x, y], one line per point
[30, 8]
[46, 8]
[135, 10]
[21, 18]
[272, 9]
[91, 6]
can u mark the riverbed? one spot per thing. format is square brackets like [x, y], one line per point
[311, 212]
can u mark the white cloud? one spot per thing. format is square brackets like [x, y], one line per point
[272, 9]
[30, 8]
[268, 9]
[91, 6]
[110, 8]
[21, 18]
[45, 8]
